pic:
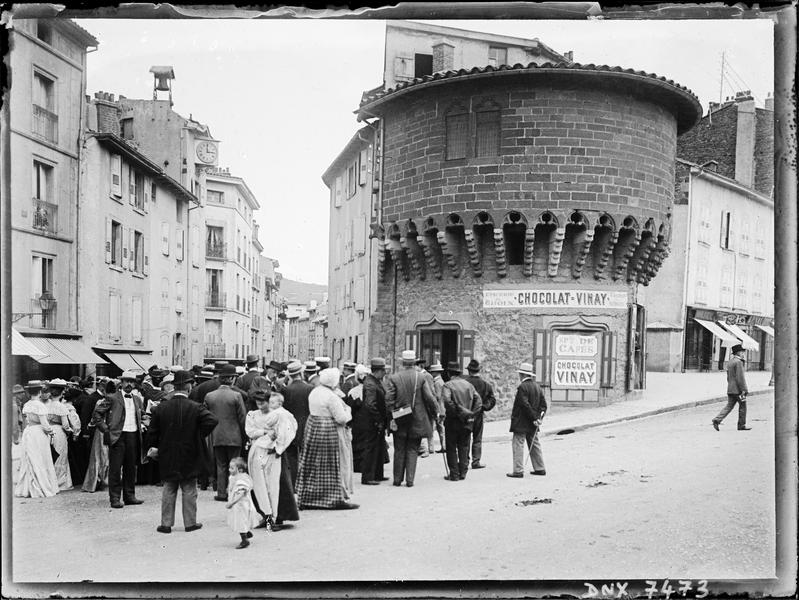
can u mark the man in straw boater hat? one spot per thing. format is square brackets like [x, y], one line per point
[736, 389]
[295, 400]
[310, 372]
[119, 418]
[177, 428]
[529, 408]
[348, 379]
[461, 403]
[411, 404]
[486, 391]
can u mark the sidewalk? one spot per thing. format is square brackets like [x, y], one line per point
[664, 392]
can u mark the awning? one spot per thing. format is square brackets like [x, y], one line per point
[60, 351]
[720, 333]
[128, 362]
[767, 328]
[22, 347]
[747, 342]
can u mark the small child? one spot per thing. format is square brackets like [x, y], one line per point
[241, 516]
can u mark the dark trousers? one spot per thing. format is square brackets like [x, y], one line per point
[371, 458]
[477, 438]
[223, 456]
[732, 400]
[406, 453]
[122, 459]
[458, 438]
[169, 496]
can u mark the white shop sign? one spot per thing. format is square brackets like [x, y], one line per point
[554, 298]
[576, 345]
[574, 373]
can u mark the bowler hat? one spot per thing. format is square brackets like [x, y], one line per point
[436, 367]
[276, 366]
[219, 364]
[377, 363]
[295, 367]
[182, 377]
[252, 358]
[473, 366]
[408, 356]
[454, 367]
[735, 349]
[17, 389]
[226, 370]
[526, 368]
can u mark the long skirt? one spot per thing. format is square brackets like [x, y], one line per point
[97, 471]
[77, 460]
[319, 482]
[346, 458]
[271, 484]
[37, 478]
[61, 445]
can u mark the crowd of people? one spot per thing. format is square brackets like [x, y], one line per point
[268, 443]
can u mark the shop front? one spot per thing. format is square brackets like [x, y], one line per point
[710, 334]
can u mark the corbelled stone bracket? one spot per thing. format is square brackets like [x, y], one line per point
[581, 252]
[499, 251]
[555, 250]
[625, 254]
[449, 254]
[416, 267]
[429, 256]
[474, 254]
[604, 257]
[529, 245]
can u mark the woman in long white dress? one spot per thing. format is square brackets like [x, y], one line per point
[37, 478]
[58, 417]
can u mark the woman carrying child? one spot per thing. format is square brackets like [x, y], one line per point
[241, 516]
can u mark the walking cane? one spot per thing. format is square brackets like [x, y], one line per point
[441, 441]
[530, 449]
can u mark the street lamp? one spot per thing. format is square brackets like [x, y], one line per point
[47, 303]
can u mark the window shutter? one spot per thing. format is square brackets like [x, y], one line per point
[131, 186]
[164, 238]
[337, 202]
[125, 249]
[108, 240]
[147, 194]
[195, 246]
[179, 296]
[734, 243]
[179, 243]
[609, 359]
[360, 296]
[116, 175]
[364, 162]
[146, 255]
[542, 355]
[467, 347]
[132, 249]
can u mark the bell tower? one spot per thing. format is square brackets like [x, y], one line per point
[162, 81]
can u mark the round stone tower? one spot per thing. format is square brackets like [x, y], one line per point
[519, 209]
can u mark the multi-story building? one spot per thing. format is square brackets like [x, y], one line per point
[139, 304]
[717, 286]
[45, 105]
[229, 269]
[272, 325]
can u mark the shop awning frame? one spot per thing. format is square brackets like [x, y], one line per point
[21, 346]
[725, 337]
[128, 361]
[746, 341]
[767, 328]
[63, 351]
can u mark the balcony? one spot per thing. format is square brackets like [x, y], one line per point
[215, 299]
[214, 350]
[42, 318]
[45, 216]
[218, 250]
[45, 124]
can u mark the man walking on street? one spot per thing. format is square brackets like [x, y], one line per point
[409, 393]
[371, 424]
[227, 437]
[177, 427]
[736, 389]
[119, 418]
[462, 403]
[529, 408]
[295, 400]
[486, 392]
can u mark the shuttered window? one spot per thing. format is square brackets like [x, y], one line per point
[542, 355]
[457, 133]
[487, 133]
[609, 359]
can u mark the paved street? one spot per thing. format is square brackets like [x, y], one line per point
[660, 497]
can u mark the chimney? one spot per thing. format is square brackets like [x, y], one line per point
[569, 55]
[107, 113]
[769, 104]
[745, 139]
[443, 57]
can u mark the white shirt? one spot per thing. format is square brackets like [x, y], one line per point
[130, 413]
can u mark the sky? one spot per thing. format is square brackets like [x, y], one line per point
[280, 94]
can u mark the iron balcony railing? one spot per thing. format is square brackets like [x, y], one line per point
[45, 216]
[41, 319]
[45, 124]
[215, 299]
[218, 250]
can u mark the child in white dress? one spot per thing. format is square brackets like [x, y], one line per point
[241, 516]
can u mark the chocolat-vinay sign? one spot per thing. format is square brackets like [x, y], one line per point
[554, 298]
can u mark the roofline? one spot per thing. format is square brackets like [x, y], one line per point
[727, 182]
[113, 141]
[688, 111]
[507, 40]
[355, 141]
[239, 182]
[51, 13]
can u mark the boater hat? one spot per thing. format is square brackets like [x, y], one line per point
[526, 369]
[295, 367]
[436, 367]
[349, 366]
[128, 375]
[57, 383]
[35, 384]
[309, 366]
[408, 357]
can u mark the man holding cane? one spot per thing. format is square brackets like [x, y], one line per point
[529, 408]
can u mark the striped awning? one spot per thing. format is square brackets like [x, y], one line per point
[130, 362]
[767, 328]
[61, 351]
[22, 347]
[720, 333]
[747, 342]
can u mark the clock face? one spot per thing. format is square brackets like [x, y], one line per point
[206, 152]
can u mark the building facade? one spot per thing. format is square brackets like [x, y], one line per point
[717, 286]
[519, 210]
[230, 266]
[48, 66]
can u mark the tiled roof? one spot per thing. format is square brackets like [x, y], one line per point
[681, 93]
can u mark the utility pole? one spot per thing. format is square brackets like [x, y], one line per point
[721, 77]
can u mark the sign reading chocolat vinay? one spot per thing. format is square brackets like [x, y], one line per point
[554, 298]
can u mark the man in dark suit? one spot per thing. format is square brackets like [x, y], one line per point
[245, 381]
[407, 388]
[177, 427]
[486, 392]
[228, 436]
[529, 408]
[461, 403]
[198, 393]
[736, 389]
[295, 400]
[119, 418]
[370, 422]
